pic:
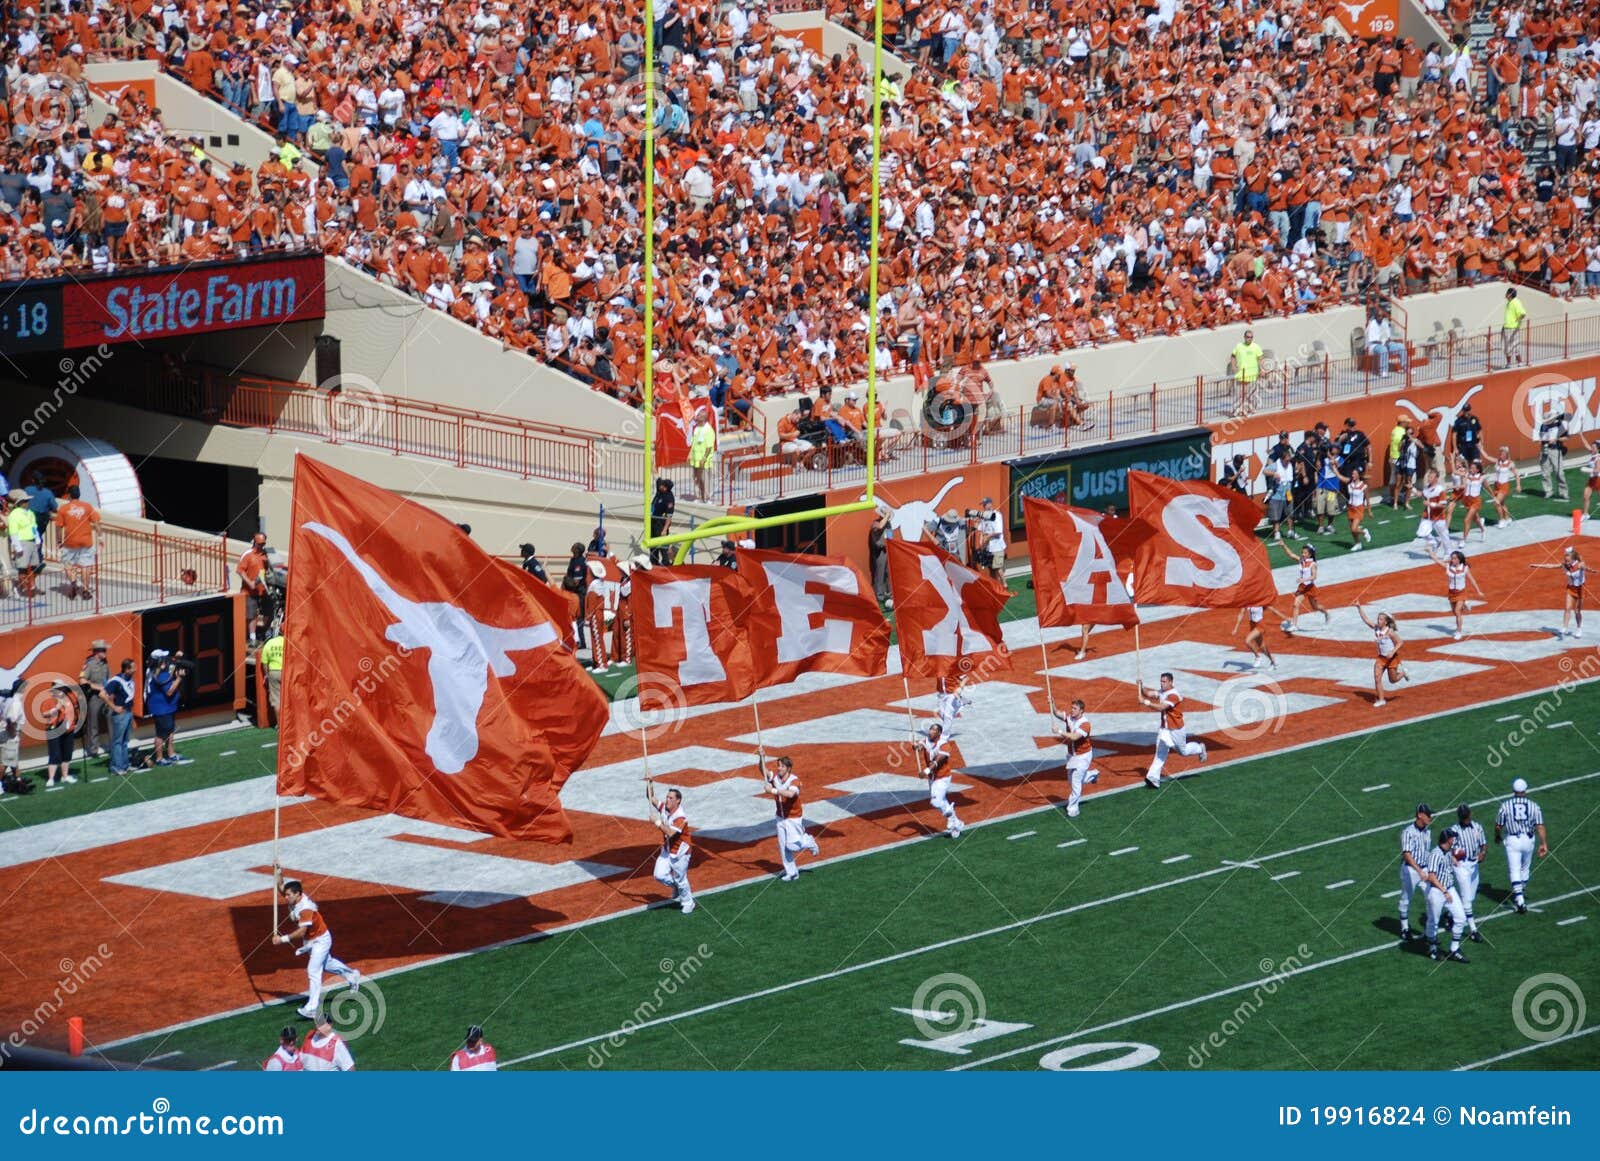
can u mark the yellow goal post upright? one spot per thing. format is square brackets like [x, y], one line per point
[732, 526]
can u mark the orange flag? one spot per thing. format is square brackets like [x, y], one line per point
[948, 614]
[422, 676]
[812, 613]
[690, 636]
[1074, 571]
[1198, 546]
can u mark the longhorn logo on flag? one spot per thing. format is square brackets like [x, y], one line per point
[1074, 571]
[422, 676]
[948, 614]
[1199, 545]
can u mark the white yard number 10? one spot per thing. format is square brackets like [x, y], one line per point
[960, 1040]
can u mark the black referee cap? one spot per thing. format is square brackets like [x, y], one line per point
[1424, 808]
[474, 1034]
[1464, 812]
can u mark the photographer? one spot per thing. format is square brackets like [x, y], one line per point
[1552, 454]
[163, 685]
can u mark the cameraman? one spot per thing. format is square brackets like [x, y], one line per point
[1552, 454]
[163, 683]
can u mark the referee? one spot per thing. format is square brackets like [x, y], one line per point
[1441, 879]
[1415, 842]
[1473, 848]
[1518, 821]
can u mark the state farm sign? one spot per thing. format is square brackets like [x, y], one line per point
[191, 301]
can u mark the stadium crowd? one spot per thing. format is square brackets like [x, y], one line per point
[1055, 173]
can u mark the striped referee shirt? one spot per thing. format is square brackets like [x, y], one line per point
[1470, 840]
[1519, 816]
[1417, 842]
[1441, 864]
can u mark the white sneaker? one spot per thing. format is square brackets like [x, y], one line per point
[1366, 536]
[1259, 662]
[688, 906]
[306, 1012]
[789, 878]
[955, 831]
[1380, 702]
[1153, 783]
[1072, 812]
[355, 980]
[1356, 547]
[1578, 632]
[1091, 778]
[68, 778]
[1204, 754]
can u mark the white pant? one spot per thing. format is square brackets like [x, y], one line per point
[1410, 880]
[1519, 861]
[1437, 902]
[1168, 741]
[1078, 770]
[673, 870]
[321, 961]
[792, 837]
[1467, 877]
[939, 799]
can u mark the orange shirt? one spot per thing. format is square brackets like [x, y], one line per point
[1171, 710]
[77, 520]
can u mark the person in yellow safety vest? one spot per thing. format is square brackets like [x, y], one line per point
[23, 529]
[1511, 326]
[270, 658]
[702, 451]
[888, 91]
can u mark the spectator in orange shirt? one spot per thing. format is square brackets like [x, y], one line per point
[77, 519]
[251, 571]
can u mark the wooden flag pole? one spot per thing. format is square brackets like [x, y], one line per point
[1049, 692]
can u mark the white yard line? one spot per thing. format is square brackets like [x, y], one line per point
[1175, 859]
[1515, 1052]
[1387, 945]
[1285, 875]
[217, 1067]
[1557, 725]
[1570, 922]
[1340, 883]
[227, 753]
[1070, 843]
[1123, 851]
[1011, 838]
[1373, 789]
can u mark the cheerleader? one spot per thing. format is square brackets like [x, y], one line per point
[1505, 476]
[1355, 510]
[1386, 635]
[1457, 576]
[1571, 564]
[1256, 639]
[1469, 494]
[1306, 590]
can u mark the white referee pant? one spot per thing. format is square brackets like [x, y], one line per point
[1168, 742]
[792, 837]
[1410, 880]
[1437, 903]
[1468, 875]
[321, 962]
[673, 870]
[1078, 769]
[1519, 862]
[939, 799]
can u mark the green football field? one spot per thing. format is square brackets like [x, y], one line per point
[1240, 919]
